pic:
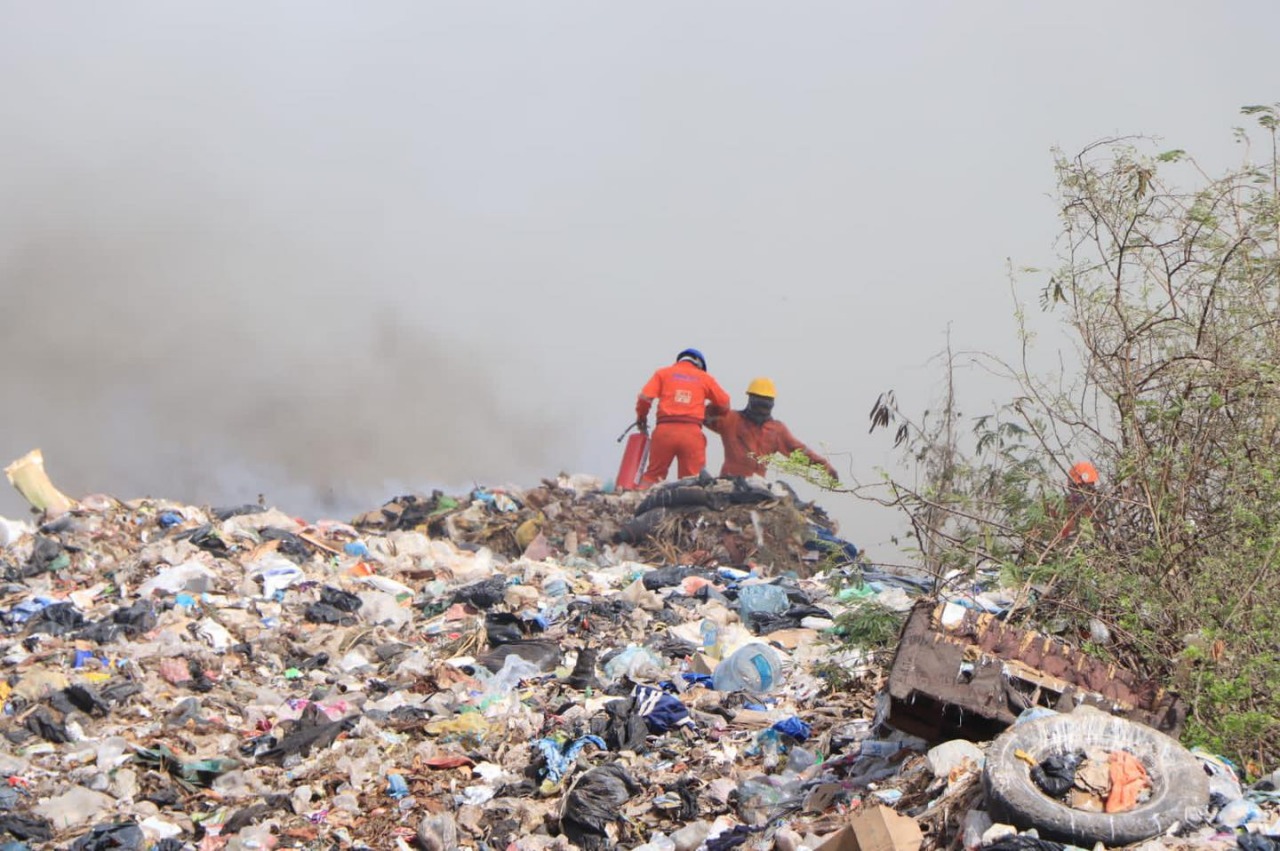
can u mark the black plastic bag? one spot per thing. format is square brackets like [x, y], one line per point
[116, 692]
[313, 730]
[126, 835]
[324, 613]
[482, 595]
[621, 726]
[688, 798]
[26, 827]
[206, 538]
[1056, 775]
[594, 803]
[291, 546]
[675, 497]
[642, 526]
[86, 700]
[544, 654]
[254, 813]
[100, 632]
[763, 623]
[135, 619]
[58, 619]
[502, 628]
[335, 607]
[43, 724]
[43, 555]
[343, 601]
[1257, 842]
[730, 838]
[237, 510]
[668, 577]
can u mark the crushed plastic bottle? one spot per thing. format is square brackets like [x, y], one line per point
[752, 668]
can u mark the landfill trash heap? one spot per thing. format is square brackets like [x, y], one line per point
[558, 667]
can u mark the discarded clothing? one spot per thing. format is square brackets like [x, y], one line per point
[660, 710]
[559, 758]
[1128, 781]
[794, 728]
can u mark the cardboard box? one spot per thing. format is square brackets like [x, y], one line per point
[876, 829]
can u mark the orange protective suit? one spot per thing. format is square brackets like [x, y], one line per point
[684, 394]
[745, 443]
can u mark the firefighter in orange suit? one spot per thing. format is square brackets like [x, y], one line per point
[685, 393]
[752, 434]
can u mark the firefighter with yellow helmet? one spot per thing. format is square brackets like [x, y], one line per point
[752, 434]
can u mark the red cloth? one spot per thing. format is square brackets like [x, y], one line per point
[683, 392]
[745, 443]
[683, 442]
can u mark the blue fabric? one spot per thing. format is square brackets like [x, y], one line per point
[560, 758]
[690, 678]
[794, 727]
[397, 787]
[827, 542]
[660, 711]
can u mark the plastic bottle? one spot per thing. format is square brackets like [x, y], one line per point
[752, 668]
[771, 599]
[711, 639]
[799, 760]
[770, 747]
[879, 747]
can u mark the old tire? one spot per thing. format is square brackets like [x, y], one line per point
[1180, 787]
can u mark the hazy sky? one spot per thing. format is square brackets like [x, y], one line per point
[332, 251]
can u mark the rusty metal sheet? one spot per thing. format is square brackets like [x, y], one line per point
[960, 673]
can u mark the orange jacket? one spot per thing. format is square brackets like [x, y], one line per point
[682, 391]
[745, 443]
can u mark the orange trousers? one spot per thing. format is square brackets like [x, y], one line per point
[683, 442]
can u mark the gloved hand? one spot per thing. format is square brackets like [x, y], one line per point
[643, 425]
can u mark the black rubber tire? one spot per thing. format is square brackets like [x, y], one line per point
[1180, 787]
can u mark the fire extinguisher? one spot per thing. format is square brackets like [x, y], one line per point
[634, 458]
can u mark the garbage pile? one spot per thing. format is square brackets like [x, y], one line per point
[704, 521]
[506, 670]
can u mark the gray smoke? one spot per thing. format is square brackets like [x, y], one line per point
[158, 342]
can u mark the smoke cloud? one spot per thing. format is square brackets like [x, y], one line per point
[161, 339]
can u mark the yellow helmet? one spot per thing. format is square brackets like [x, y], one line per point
[762, 387]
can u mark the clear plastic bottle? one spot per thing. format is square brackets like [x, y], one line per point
[753, 668]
